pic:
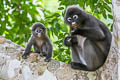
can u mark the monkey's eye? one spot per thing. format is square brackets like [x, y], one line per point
[69, 19]
[38, 31]
[75, 17]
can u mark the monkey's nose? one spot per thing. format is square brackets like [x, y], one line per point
[39, 34]
[74, 24]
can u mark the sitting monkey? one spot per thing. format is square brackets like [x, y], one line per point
[40, 41]
[89, 41]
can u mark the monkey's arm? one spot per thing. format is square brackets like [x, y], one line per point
[49, 52]
[92, 33]
[28, 48]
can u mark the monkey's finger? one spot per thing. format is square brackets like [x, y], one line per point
[69, 39]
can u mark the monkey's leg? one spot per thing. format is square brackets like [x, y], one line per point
[76, 60]
[44, 50]
[74, 56]
[36, 49]
[49, 49]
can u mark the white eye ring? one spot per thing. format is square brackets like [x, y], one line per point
[69, 19]
[75, 16]
[36, 30]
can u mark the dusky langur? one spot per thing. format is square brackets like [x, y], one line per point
[89, 39]
[40, 41]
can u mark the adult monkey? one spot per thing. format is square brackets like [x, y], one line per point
[90, 39]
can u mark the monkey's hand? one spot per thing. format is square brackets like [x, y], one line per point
[67, 41]
[70, 40]
[47, 59]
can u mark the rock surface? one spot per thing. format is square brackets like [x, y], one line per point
[13, 67]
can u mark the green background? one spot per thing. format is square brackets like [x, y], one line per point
[17, 17]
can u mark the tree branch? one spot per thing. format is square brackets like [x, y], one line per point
[13, 67]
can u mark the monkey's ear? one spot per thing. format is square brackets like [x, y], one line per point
[44, 29]
[33, 28]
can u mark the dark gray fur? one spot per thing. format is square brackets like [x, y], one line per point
[90, 41]
[42, 44]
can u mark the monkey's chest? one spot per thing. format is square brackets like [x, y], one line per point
[80, 49]
[81, 41]
[39, 43]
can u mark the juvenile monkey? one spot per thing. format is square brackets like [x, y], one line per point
[40, 41]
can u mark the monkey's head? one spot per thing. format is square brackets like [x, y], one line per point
[38, 30]
[75, 17]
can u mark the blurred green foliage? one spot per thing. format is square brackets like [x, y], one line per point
[17, 17]
[1, 79]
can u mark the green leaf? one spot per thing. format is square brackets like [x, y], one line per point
[61, 8]
[110, 16]
[104, 14]
[107, 7]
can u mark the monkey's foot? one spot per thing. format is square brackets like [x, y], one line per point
[74, 65]
[47, 59]
[41, 55]
[79, 66]
[24, 56]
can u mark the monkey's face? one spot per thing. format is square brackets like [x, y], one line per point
[39, 32]
[74, 17]
[73, 21]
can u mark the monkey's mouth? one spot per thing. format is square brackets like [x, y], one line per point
[74, 26]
